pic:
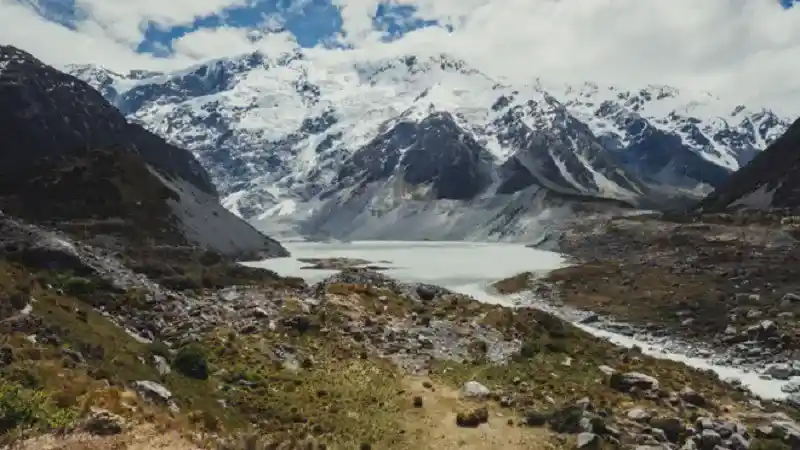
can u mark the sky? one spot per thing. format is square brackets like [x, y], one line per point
[746, 50]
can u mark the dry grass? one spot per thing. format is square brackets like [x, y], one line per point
[146, 437]
[517, 283]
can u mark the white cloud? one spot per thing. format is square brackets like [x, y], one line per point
[745, 50]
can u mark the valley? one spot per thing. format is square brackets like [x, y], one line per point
[472, 265]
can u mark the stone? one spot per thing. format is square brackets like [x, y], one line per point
[161, 365]
[638, 415]
[473, 419]
[709, 439]
[150, 390]
[673, 427]
[689, 395]
[588, 441]
[473, 389]
[103, 423]
[627, 381]
[738, 442]
[779, 371]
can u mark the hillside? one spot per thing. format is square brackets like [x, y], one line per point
[770, 181]
[70, 160]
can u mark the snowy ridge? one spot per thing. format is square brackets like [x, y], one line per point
[276, 131]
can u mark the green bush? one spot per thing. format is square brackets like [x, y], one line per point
[78, 286]
[17, 407]
[25, 408]
[191, 361]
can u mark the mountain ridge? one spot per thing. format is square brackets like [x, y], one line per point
[275, 131]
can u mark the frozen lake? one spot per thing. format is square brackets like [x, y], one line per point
[464, 267]
[469, 268]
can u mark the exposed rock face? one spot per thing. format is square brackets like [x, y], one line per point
[770, 180]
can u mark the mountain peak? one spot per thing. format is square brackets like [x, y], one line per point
[273, 134]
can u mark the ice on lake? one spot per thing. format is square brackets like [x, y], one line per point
[464, 267]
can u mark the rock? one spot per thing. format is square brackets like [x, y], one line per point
[161, 365]
[704, 423]
[426, 292]
[673, 427]
[791, 298]
[791, 388]
[689, 395]
[473, 418]
[753, 314]
[659, 434]
[779, 371]
[767, 327]
[150, 390]
[567, 420]
[709, 439]
[473, 389]
[417, 402]
[738, 442]
[588, 441]
[793, 400]
[638, 415]
[627, 381]
[103, 423]
[607, 370]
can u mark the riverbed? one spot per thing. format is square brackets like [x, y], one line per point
[470, 268]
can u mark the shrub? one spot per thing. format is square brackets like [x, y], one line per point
[17, 408]
[191, 361]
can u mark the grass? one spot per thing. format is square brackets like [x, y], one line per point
[334, 395]
[289, 386]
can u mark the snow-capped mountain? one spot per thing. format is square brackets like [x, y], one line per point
[333, 142]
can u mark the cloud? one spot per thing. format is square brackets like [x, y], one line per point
[743, 50]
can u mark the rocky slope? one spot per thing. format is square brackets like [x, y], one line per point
[68, 156]
[771, 180]
[262, 362]
[298, 137]
[717, 285]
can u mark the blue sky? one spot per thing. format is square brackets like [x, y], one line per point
[312, 22]
[742, 48]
